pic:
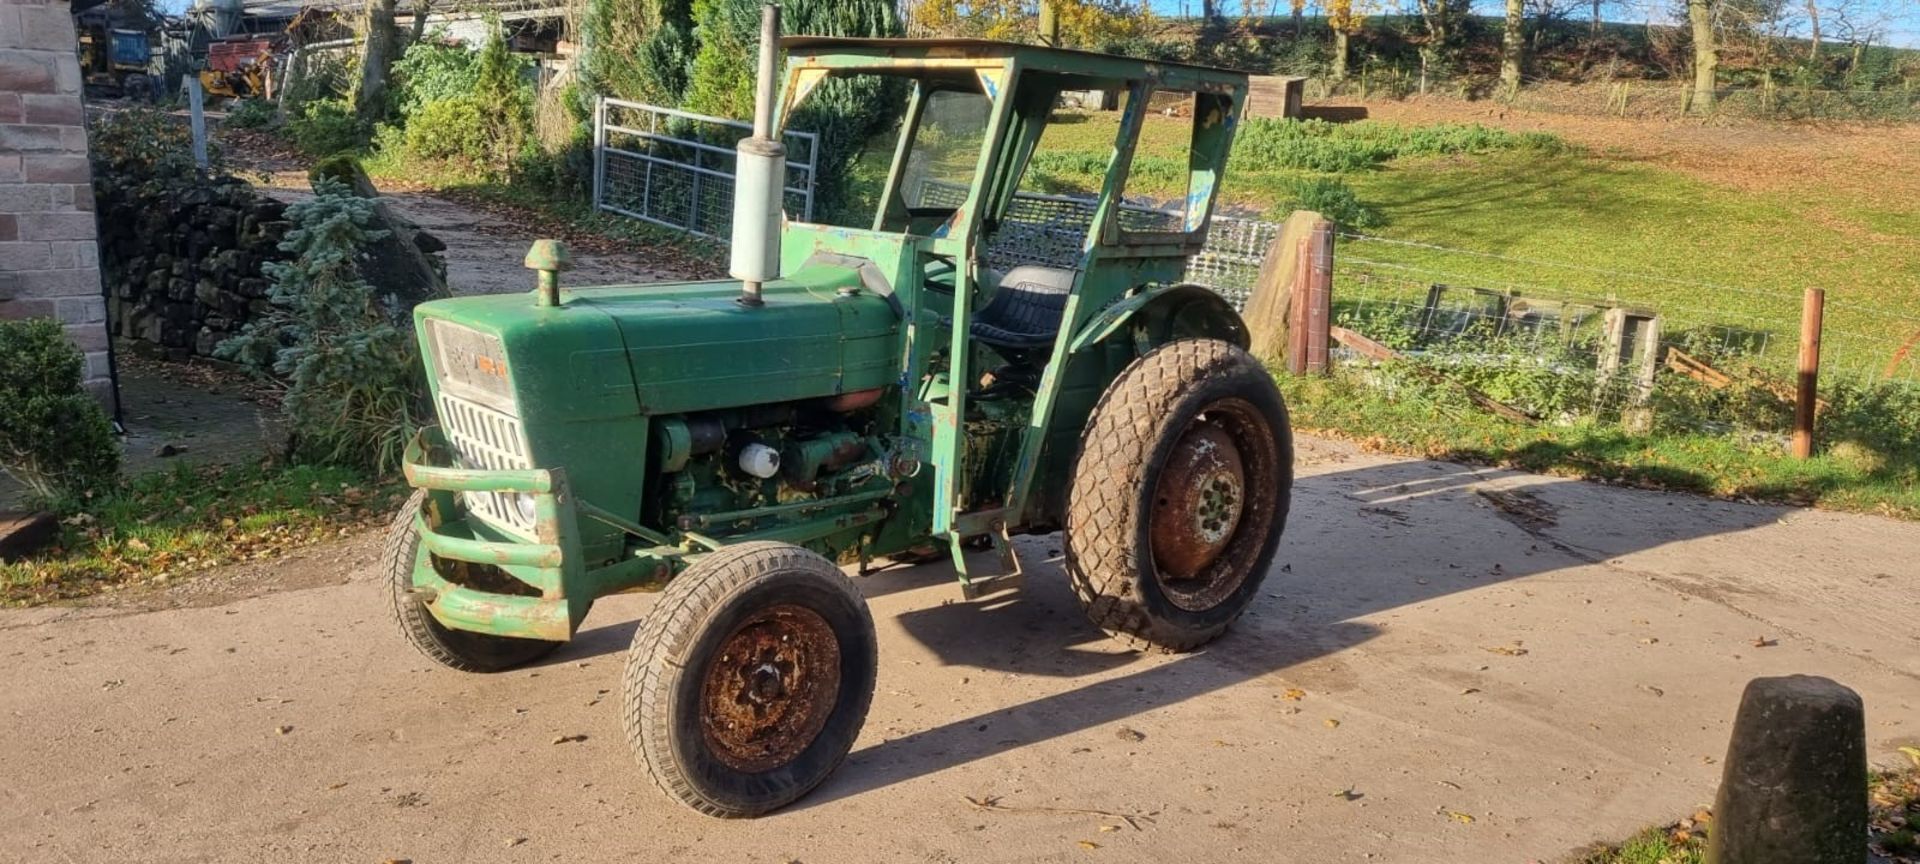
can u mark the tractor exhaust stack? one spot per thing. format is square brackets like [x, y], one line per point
[759, 177]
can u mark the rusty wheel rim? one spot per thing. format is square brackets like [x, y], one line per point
[770, 689]
[1210, 515]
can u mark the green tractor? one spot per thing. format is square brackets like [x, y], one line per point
[857, 392]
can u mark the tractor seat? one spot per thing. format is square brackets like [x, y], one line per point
[1025, 313]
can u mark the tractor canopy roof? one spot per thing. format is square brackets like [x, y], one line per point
[913, 56]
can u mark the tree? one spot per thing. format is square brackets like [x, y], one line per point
[1706, 54]
[1299, 17]
[1513, 47]
[376, 63]
[1443, 20]
[1344, 20]
[1813, 25]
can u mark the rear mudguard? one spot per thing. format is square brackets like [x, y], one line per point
[1167, 312]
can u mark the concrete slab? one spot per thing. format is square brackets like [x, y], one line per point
[1447, 664]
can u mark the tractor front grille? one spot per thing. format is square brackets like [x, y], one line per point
[485, 439]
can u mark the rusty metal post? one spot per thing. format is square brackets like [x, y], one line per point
[1807, 393]
[1311, 312]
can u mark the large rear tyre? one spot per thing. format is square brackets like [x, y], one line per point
[455, 649]
[748, 683]
[1179, 495]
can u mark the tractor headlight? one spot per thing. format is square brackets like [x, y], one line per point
[524, 503]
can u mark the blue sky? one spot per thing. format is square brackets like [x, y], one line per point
[1902, 17]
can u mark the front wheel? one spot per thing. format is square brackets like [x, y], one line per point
[1179, 494]
[455, 649]
[748, 683]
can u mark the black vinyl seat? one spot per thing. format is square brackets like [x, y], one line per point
[1025, 312]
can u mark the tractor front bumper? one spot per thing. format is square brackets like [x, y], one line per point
[543, 564]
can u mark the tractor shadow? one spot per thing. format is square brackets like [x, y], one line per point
[1359, 542]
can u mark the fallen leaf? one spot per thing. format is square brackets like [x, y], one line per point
[1128, 733]
[514, 841]
[1089, 844]
[1457, 816]
[1108, 829]
[1469, 691]
[1332, 723]
[1347, 795]
[1912, 753]
[1652, 689]
[568, 739]
[1764, 642]
[283, 729]
[1513, 650]
[1294, 693]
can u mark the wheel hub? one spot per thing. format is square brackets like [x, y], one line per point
[1198, 502]
[771, 688]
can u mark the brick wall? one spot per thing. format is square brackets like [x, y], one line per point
[49, 262]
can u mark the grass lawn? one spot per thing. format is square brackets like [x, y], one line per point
[1568, 222]
[170, 523]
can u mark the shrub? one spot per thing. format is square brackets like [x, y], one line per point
[251, 114]
[54, 438]
[1330, 197]
[432, 69]
[844, 112]
[351, 374]
[145, 148]
[325, 127]
[452, 128]
[1315, 145]
[641, 49]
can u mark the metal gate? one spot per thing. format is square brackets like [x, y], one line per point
[675, 168]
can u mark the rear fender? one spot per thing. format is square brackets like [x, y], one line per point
[1164, 313]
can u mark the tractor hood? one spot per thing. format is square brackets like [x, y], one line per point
[692, 347]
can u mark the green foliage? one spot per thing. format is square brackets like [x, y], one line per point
[844, 112]
[321, 76]
[54, 439]
[144, 151]
[324, 127]
[452, 128]
[639, 49]
[432, 70]
[1330, 197]
[188, 518]
[1317, 145]
[505, 98]
[251, 114]
[351, 373]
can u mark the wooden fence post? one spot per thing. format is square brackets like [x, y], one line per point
[1312, 307]
[1807, 391]
[1285, 274]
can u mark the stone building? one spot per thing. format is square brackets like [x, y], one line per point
[49, 262]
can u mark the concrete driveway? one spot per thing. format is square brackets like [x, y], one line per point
[1448, 664]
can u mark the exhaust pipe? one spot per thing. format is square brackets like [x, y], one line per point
[759, 177]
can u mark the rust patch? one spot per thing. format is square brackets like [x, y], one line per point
[1197, 502]
[1215, 504]
[769, 690]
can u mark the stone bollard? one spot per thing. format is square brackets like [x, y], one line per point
[1794, 790]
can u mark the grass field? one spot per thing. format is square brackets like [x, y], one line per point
[1716, 230]
[1595, 219]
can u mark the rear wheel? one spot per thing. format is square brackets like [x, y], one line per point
[1179, 495]
[456, 649]
[747, 684]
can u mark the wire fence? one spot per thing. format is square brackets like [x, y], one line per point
[1680, 358]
